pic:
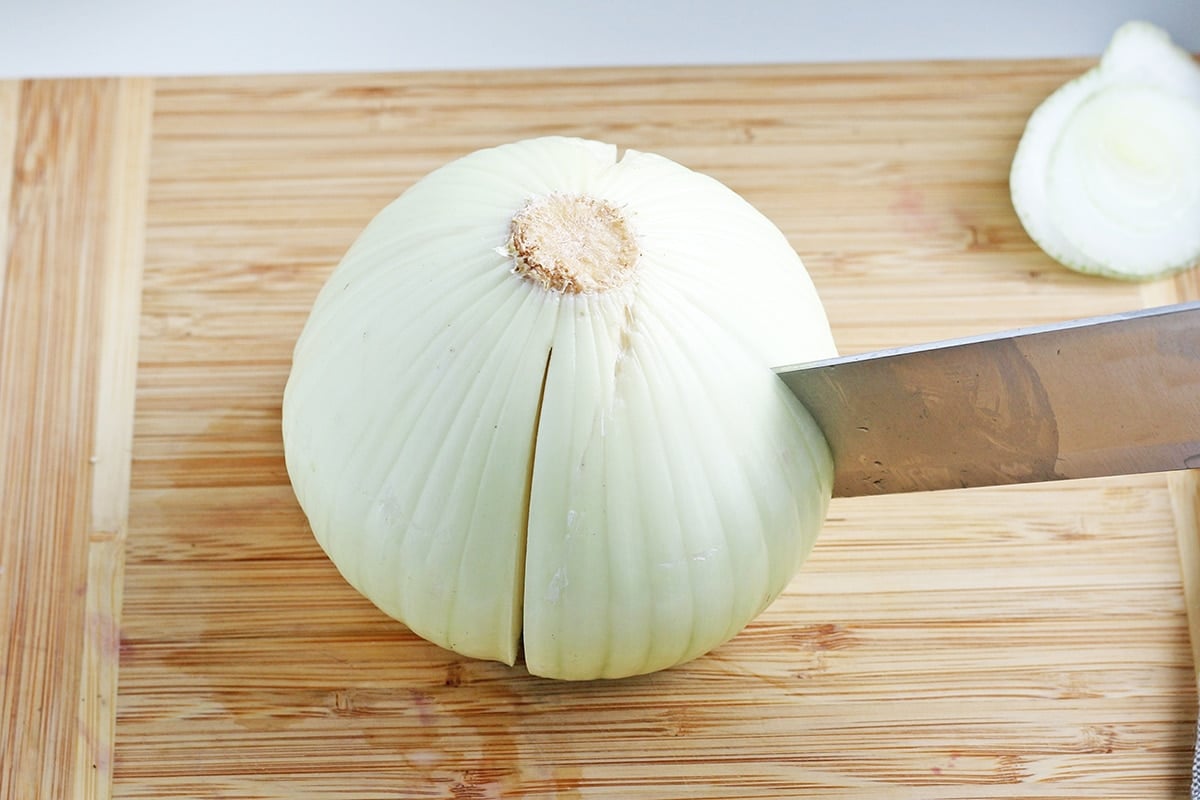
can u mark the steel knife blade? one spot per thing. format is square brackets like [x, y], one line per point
[1111, 395]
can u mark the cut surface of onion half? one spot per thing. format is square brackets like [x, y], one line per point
[1106, 177]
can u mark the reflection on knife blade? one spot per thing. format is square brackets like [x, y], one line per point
[1109, 395]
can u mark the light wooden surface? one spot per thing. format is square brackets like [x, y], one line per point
[1024, 642]
[1185, 486]
[73, 158]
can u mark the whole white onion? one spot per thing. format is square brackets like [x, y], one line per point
[534, 404]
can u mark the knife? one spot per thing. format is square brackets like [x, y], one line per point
[1112, 395]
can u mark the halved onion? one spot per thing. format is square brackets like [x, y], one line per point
[1106, 178]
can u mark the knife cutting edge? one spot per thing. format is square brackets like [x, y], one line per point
[1111, 395]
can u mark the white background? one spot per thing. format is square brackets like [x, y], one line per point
[41, 38]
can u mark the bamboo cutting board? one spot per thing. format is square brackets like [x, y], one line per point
[174, 631]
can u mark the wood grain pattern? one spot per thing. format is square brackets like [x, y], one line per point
[1185, 486]
[1185, 498]
[1027, 642]
[112, 450]
[10, 92]
[67, 321]
[1020, 642]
